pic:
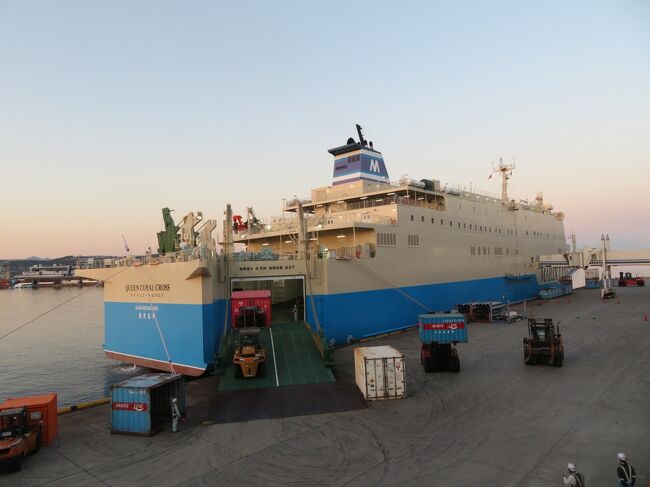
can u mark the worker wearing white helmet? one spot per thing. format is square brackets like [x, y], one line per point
[625, 472]
[176, 415]
[574, 478]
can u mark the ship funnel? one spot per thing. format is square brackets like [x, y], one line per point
[356, 161]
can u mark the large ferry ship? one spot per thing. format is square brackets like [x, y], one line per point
[360, 257]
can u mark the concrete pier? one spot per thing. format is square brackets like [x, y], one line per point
[497, 422]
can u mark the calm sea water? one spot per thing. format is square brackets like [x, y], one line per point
[60, 352]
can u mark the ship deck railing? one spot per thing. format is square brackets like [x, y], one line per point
[183, 255]
[288, 225]
[263, 256]
[339, 253]
[472, 193]
[414, 197]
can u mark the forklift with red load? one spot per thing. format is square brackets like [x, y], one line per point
[17, 437]
[626, 279]
[26, 424]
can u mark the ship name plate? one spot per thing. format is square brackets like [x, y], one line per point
[147, 290]
[283, 267]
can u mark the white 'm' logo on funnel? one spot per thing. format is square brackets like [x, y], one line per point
[374, 165]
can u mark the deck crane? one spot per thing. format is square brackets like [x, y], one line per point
[253, 221]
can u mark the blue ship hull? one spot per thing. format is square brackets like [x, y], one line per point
[189, 336]
[350, 316]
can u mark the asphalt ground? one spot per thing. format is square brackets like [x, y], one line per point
[496, 423]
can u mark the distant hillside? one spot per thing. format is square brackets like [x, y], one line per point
[18, 266]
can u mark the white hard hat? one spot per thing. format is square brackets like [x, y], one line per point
[621, 457]
[571, 467]
[174, 400]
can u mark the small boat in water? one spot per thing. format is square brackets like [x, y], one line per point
[24, 285]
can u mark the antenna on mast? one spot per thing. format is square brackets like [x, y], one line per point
[362, 141]
[126, 245]
[506, 172]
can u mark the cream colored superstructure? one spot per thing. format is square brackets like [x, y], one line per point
[409, 236]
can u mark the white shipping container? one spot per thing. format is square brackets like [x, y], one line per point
[380, 372]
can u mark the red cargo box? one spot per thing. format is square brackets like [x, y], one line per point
[259, 299]
[40, 409]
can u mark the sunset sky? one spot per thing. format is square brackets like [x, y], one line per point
[110, 111]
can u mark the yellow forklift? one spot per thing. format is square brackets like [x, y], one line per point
[250, 354]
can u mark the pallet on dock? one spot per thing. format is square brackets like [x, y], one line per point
[483, 312]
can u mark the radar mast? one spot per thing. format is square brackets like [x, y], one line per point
[506, 172]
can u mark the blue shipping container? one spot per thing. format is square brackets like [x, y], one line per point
[142, 405]
[442, 328]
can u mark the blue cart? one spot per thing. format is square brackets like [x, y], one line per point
[439, 334]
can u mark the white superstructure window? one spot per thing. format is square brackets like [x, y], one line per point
[414, 240]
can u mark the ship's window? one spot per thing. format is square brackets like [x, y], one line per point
[484, 251]
[386, 240]
[422, 219]
[354, 158]
[442, 222]
[432, 220]
[479, 250]
[526, 232]
[414, 240]
[481, 228]
[330, 221]
[412, 218]
[458, 224]
[451, 224]
[498, 251]
[464, 225]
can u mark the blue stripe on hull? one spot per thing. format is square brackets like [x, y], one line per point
[191, 331]
[362, 314]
